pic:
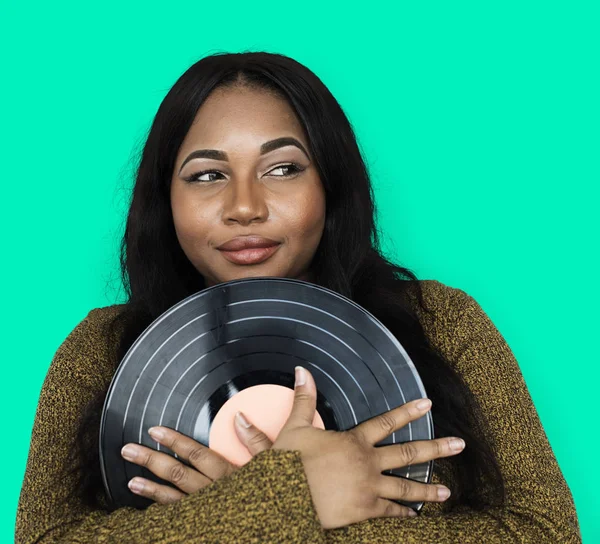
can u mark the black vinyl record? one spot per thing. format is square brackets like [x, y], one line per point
[210, 346]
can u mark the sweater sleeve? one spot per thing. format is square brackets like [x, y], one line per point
[266, 500]
[539, 506]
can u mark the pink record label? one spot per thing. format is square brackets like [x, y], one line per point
[267, 407]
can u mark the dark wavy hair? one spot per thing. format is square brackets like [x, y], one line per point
[157, 274]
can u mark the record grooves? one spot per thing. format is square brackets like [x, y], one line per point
[224, 339]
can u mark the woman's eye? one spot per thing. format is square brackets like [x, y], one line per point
[198, 175]
[291, 170]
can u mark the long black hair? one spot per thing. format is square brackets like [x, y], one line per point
[156, 274]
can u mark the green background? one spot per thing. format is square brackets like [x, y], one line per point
[479, 122]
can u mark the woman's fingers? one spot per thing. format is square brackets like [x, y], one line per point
[207, 461]
[305, 399]
[417, 451]
[398, 488]
[161, 494]
[166, 467]
[254, 439]
[379, 427]
[389, 509]
[206, 465]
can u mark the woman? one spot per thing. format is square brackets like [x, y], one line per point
[254, 143]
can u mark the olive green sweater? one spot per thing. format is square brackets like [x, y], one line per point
[268, 500]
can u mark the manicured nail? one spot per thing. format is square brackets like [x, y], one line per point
[241, 420]
[300, 376]
[423, 404]
[136, 485]
[443, 492]
[156, 432]
[129, 452]
[457, 444]
[412, 513]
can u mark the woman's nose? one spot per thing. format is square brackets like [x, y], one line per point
[245, 201]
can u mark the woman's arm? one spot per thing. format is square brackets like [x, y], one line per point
[539, 506]
[266, 500]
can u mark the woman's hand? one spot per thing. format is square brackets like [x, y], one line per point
[208, 465]
[344, 469]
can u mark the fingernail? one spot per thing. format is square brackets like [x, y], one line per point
[241, 420]
[156, 432]
[423, 404]
[129, 452]
[412, 513]
[457, 444]
[136, 485]
[300, 376]
[443, 492]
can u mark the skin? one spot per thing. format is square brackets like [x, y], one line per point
[250, 196]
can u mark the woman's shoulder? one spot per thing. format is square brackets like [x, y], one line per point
[462, 331]
[104, 314]
[441, 299]
[85, 352]
[100, 325]
[94, 326]
[448, 314]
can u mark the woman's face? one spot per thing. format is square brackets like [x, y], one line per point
[248, 191]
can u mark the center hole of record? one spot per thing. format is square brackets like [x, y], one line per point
[266, 406]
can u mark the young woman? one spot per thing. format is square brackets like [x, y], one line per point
[254, 147]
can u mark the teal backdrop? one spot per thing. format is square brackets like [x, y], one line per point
[478, 120]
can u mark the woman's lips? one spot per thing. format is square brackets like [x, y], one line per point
[252, 255]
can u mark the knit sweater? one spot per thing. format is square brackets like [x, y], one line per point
[268, 500]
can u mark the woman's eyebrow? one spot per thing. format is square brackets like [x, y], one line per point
[267, 147]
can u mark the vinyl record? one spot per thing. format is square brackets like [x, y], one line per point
[225, 339]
